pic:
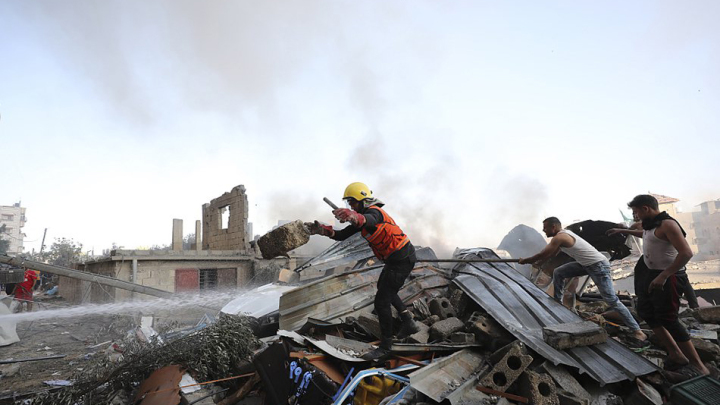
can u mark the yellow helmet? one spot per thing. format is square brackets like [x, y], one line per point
[358, 191]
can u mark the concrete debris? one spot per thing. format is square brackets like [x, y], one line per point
[283, 239]
[538, 388]
[577, 334]
[486, 337]
[443, 329]
[507, 368]
[442, 307]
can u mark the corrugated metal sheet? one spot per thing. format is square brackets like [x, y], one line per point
[351, 249]
[524, 310]
[349, 294]
[447, 375]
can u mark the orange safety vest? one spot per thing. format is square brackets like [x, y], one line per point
[387, 239]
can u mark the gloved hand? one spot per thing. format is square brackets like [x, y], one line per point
[348, 215]
[316, 228]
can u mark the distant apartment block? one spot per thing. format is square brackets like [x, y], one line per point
[13, 217]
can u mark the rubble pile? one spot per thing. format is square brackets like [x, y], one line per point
[488, 335]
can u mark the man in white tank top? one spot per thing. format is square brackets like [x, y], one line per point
[660, 278]
[588, 260]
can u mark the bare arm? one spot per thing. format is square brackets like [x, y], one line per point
[549, 251]
[631, 231]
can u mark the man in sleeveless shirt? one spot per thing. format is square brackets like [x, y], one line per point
[660, 279]
[588, 260]
[390, 245]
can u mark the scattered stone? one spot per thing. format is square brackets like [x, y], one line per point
[370, 323]
[433, 319]
[443, 329]
[538, 388]
[283, 239]
[442, 308]
[462, 337]
[597, 307]
[510, 362]
[711, 327]
[568, 335]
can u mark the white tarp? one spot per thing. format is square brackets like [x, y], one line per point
[8, 332]
[258, 302]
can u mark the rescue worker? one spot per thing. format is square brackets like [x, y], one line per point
[390, 245]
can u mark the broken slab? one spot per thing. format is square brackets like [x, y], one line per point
[576, 334]
[442, 307]
[283, 239]
[538, 388]
[708, 314]
[443, 329]
[370, 323]
[707, 351]
[643, 394]
[507, 368]
[487, 331]
[443, 377]
[568, 384]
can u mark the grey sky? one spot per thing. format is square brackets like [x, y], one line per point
[465, 117]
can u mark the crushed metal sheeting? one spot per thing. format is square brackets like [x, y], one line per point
[523, 309]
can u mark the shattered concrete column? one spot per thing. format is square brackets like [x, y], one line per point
[198, 236]
[177, 236]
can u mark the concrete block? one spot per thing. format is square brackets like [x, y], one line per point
[708, 314]
[511, 361]
[538, 388]
[443, 329]
[572, 391]
[423, 336]
[370, 323]
[568, 335]
[487, 331]
[442, 308]
[462, 337]
[283, 239]
[288, 276]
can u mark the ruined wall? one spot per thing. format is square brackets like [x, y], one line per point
[234, 236]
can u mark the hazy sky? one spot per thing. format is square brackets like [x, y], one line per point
[466, 118]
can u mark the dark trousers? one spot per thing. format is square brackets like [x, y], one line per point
[391, 279]
[660, 308]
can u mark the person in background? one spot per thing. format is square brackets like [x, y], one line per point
[24, 291]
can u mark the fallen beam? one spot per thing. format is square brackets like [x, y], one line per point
[85, 276]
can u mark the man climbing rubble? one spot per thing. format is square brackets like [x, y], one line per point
[660, 279]
[588, 260]
[390, 245]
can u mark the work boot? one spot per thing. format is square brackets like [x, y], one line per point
[408, 326]
[380, 353]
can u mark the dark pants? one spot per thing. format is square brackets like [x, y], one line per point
[391, 279]
[660, 308]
